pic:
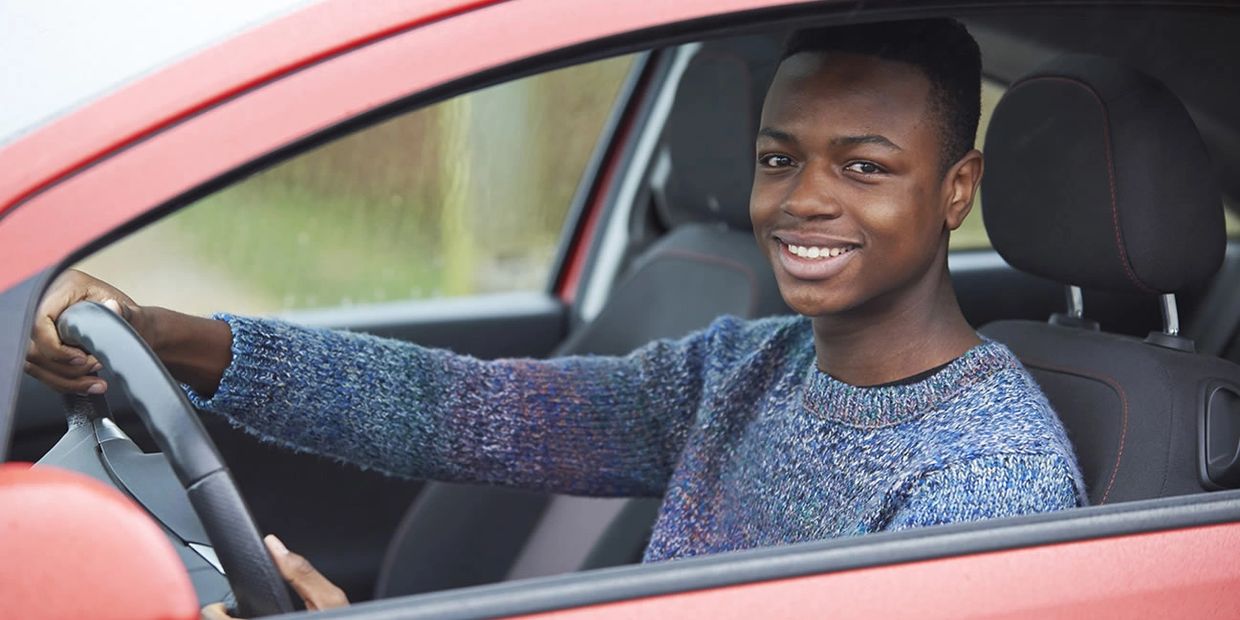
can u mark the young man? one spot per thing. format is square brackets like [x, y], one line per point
[878, 409]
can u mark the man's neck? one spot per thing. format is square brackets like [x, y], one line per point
[892, 339]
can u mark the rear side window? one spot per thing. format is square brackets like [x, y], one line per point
[1231, 220]
[972, 234]
[465, 197]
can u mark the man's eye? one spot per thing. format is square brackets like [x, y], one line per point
[775, 161]
[863, 167]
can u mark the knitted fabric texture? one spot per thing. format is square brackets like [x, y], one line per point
[734, 426]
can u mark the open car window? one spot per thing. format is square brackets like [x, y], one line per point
[464, 197]
[972, 234]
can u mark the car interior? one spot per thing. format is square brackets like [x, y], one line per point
[1111, 276]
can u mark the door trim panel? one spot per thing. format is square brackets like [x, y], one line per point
[524, 324]
[1139, 527]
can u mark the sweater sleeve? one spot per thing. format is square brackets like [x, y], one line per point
[989, 487]
[587, 425]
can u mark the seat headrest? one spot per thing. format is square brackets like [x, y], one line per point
[1097, 177]
[709, 136]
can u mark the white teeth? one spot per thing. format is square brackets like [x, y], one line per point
[815, 252]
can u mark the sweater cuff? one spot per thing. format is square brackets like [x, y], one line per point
[251, 376]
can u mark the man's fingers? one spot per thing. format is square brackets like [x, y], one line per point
[215, 611]
[80, 385]
[82, 366]
[312, 586]
[49, 347]
[62, 367]
[116, 307]
[48, 359]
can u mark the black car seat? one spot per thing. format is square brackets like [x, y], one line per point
[1097, 178]
[706, 265]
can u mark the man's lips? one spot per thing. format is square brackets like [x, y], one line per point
[812, 257]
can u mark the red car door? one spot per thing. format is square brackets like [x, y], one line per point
[143, 151]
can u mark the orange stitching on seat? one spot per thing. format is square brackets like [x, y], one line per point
[1123, 399]
[1106, 140]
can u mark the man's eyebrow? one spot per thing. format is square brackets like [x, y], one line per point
[776, 134]
[871, 138]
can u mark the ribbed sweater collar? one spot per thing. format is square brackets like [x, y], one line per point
[873, 407]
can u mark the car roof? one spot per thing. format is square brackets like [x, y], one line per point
[62, 57]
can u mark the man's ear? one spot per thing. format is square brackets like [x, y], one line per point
[960, 185]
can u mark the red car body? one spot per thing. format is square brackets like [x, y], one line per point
[117, 162]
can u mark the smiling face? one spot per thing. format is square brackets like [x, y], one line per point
[849, 200]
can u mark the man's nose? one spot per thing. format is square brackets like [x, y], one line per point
[813, 195]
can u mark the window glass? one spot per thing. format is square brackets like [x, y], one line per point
[972, 234]
[1231, 221]
[464, 197]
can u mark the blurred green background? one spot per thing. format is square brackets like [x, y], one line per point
[466, 196]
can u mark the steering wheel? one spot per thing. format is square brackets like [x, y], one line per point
[256, 584]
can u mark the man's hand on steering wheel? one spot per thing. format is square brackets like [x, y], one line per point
[195, 350]
[65, 368]
[315, 590]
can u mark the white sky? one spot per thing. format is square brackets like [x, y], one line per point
[57, 54]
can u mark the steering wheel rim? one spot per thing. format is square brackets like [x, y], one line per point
[162, 406]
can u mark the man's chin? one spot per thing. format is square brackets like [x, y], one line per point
[806, 301]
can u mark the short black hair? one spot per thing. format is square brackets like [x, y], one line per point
[942, 48]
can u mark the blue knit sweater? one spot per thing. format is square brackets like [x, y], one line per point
[734, 426]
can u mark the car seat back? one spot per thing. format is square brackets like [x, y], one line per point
[73, 547]
[1097, 178]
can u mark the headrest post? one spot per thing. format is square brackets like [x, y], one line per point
[1170, 337]
[1076, 302]
[1171, 316]
[1075, 316]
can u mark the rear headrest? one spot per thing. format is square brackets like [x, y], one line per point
[709, 137]
[1096, 176]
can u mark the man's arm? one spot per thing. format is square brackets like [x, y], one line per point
[589, 425]
[593, 425]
